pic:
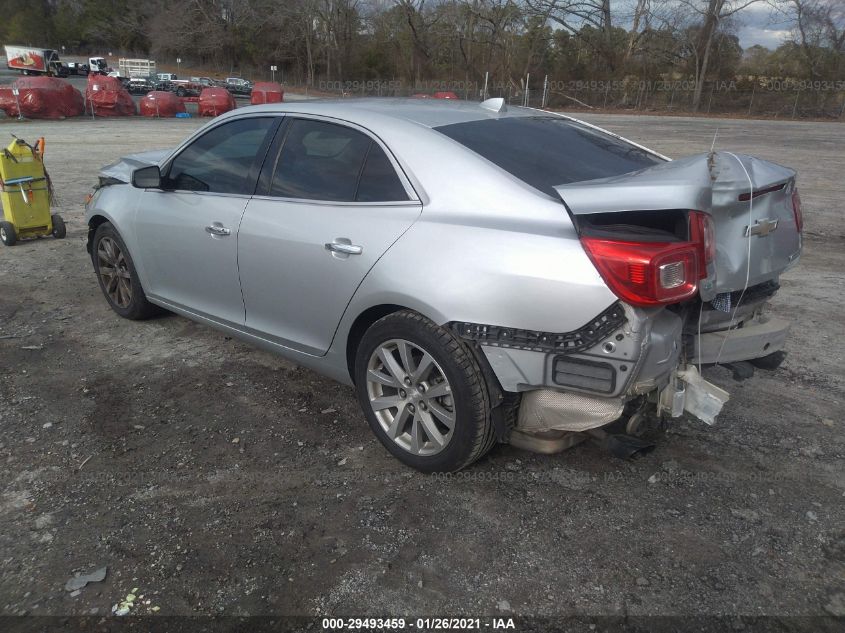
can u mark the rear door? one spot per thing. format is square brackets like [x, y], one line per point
[331, 201]
[188, 231]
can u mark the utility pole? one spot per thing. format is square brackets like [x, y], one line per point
[525, 96]
[545, 91]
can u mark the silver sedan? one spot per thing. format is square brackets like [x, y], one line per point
[479, 273]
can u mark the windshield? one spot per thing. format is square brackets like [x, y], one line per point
[545, 151]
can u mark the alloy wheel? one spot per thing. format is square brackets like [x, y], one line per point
[114, 270]
[411, 397]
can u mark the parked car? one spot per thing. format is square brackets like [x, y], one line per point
[479, 273]
[180, 87]
[140, 86]
[77, 68]
[166, 77]
[184, 88]
[206, 82]
[238, 86]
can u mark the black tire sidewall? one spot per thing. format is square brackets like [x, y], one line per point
[458, 453]
[138, 306]
[59, 228]
[11, 235]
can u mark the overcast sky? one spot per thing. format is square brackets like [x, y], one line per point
[755, 24]
[758, 25]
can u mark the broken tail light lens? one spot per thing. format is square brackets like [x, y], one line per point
[703, 233]
[646, 273]
[797, 211]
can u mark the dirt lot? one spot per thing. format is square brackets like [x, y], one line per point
[215, 478]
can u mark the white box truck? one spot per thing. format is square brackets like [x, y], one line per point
[34, 61]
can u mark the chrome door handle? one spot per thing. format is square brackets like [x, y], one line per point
[346, 249]
[217, 229]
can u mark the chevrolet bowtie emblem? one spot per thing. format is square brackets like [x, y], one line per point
[761, 228]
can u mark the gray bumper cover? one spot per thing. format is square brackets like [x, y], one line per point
[754, 340]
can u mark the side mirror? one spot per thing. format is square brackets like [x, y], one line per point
[147, 177]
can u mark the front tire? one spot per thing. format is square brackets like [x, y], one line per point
[7, 234]
[117, 275]
[423, 393]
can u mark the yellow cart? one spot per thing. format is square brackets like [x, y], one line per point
[25, 194]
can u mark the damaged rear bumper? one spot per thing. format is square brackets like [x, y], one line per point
[645, 364]
[588, 387]
[758, 337]
[632, 358]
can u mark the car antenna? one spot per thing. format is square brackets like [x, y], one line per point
[711, 157]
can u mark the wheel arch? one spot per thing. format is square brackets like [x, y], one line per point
[94, 222]
[360, 325]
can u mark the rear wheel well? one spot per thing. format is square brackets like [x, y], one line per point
[504, 404]
[361, 325]
[93, 225]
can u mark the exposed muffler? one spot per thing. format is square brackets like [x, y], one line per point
[553, 421]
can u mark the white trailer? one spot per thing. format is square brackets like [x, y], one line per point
[136, 67]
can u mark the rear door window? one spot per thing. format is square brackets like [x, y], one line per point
[320, 161]
[546, 151]
[331, 162]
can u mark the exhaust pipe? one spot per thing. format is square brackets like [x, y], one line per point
[620, 445]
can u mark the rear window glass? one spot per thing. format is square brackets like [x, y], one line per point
[547, 151]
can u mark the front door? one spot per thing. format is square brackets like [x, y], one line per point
[188, 230]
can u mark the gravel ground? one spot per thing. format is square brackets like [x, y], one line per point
[216, 478]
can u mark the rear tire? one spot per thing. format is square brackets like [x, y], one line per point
[59, 228]
[117, 275]
[440, 418]
[7, 233]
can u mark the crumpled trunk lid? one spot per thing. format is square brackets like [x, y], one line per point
[756, 238]
[121, 171]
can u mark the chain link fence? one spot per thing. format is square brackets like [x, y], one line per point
[790, 99]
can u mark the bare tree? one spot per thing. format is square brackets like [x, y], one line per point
[420, 21]
[640, 19]
[572, 15]
[818, 30]
[712, 14]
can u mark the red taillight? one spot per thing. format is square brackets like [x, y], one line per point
[646, 273]
[796, 209]
[703, 233]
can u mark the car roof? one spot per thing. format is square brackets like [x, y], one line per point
[426, 112]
